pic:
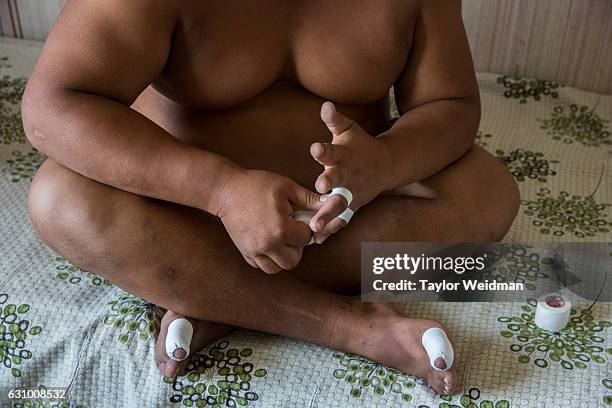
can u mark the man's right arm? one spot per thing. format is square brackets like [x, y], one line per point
[98, 58]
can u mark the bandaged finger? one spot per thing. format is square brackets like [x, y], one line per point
[344, 192]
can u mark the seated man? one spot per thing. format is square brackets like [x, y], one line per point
[182, 135]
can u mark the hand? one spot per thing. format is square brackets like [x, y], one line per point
[355, 160]
[256, 210]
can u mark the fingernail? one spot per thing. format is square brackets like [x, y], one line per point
[323, 198]
[320, 225]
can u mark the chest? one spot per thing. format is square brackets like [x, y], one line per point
[227, 52]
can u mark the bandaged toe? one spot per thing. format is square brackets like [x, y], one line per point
[438, 348]
[180, 332]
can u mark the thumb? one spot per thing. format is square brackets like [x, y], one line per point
[336, 122]
[304, 199]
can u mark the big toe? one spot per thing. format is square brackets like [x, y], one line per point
[440, 353]
[166, 365]
[171, 368]
[443, 382]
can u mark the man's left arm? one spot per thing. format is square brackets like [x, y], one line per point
[437, 97]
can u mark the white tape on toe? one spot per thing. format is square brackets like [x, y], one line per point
[180, 332]
[304, 216]
[437, 345]
[344, 192]
[346, 215]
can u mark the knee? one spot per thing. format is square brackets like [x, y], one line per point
[58, 206]
[43, 200]
[496, 199]
[502, 209]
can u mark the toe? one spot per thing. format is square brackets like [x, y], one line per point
[443, 382]
[450, 382]
[203, 333]
[166, 365]
[442, 375]
[436, 383]
[172, 368]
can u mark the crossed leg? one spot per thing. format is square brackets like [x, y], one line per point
[183, 260]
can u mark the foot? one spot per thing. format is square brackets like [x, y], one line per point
[383, 334]
[203, 333]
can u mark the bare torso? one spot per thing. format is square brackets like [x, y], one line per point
[247, 80]
[253, 93]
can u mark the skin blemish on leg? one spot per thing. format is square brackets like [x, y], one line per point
[170, 272]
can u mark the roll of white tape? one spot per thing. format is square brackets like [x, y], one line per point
[553, 312]
[179, 335]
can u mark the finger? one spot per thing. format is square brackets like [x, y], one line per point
[335, 225]
[298, 233]
[287, 257]
[332, 207]
[336, 122]
[250, 261]
[329, 178]
[331, 228]
[326, 153]
[266, 264]
[304, 199]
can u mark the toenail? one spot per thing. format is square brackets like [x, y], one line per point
[179, 354]
[440, 364]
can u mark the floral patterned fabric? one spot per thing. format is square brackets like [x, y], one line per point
[61, 326]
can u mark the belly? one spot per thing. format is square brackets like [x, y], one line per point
[272, 131]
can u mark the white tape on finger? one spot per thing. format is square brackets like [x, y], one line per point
[304, 216]
[344, 192]
[346, 215]
[436, 344]
[179, 335]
